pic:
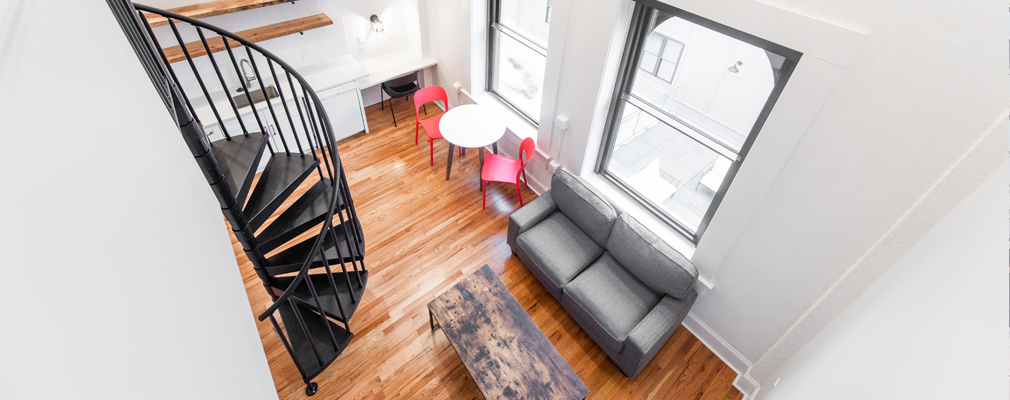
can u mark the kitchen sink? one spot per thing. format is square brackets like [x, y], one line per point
[258, 95]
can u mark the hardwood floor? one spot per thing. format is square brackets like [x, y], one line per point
[423, 234]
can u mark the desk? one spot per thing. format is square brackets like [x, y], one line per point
[470, 126]
[392, 65]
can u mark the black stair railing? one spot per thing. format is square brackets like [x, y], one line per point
[316, 131]
[292, 134]
[316, 341]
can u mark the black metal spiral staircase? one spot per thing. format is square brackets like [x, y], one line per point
[295, 252]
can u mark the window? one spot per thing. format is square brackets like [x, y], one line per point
[691, 97]
[517, 53]
[661, 56]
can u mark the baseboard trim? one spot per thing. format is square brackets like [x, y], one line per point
[722, 349]
[538, 187]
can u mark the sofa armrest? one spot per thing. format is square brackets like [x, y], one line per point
[529, 215]
[652, 332]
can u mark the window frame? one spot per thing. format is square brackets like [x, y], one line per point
[644, 13]
[494, 29]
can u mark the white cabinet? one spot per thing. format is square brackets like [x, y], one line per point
[342, 103]
[344, 107]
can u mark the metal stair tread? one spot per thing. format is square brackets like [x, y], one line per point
[309, 210]
[291, 259]
[304, 356]
[282, 175]
[325, 292]
[238, 158]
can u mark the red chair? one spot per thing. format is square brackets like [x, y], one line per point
[423, 96]
[503, 169]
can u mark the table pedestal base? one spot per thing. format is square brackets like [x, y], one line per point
[480, 154]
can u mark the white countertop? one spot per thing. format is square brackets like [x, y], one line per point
[322, 76]
[333, 73]
[392, 65]
[327, 75]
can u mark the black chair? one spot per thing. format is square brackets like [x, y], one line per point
[403, 86]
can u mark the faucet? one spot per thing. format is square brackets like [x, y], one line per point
[248, 78]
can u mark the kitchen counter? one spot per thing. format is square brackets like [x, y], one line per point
[320, 77]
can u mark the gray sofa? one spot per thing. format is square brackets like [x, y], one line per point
[627, 288]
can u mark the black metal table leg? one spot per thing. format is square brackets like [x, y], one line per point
[431, 320]
[448, 165]
[480, 171]
[494, 146]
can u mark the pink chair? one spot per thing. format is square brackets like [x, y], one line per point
[423, 96]
[503, 169]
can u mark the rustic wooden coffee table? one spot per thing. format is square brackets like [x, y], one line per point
[505, 352]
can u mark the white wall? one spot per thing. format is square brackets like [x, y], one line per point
[934, 326]
[862, 184]
[899, 135]
[447, 25]
[120, 281]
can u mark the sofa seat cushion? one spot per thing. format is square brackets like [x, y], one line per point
[609, 297]
[558, 250]
[650, 259]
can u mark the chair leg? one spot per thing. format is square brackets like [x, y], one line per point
[525, 179]
[391, 111]
[520, 191]
[415, 132]
[483, 188]
[382, 101]
[431, 150]
[424, 108]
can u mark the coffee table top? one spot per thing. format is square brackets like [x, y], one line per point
[471, 126]
[505, 352]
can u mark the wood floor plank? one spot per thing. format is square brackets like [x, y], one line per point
[423, 235]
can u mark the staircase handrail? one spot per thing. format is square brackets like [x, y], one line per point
[326, 128]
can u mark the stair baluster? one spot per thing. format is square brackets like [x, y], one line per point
[312, 331]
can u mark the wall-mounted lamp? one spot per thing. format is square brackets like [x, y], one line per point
[376, 23]
[733, 68]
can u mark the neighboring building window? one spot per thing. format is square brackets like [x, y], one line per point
[517, 53]
[661, 56]
[691, 98]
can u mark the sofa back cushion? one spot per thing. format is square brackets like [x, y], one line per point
[650, 259]
[588, 210]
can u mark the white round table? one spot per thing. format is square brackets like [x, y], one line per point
[470, 126]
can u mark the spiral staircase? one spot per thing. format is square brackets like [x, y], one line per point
[309, 255]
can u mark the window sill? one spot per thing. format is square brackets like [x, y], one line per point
[515, 123]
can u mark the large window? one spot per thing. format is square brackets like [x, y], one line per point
[692, 96]
[517, 53]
